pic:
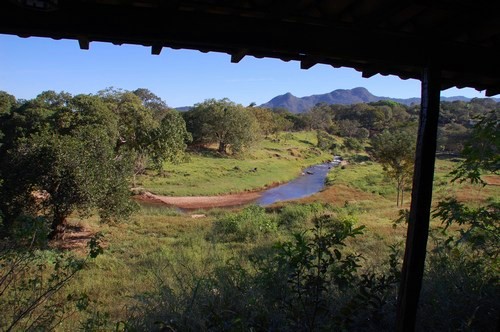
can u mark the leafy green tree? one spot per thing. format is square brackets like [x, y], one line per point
[298, 121]
[152, 102]
[348, 128]
[224, 123]
[372, 118]
[147, 128]
[52, 100]
[469, 253]
[169, 140]
[326, 141]
[353, 144]
[7, 102]
[134, 119]
[320, 117]
[395, 150]
[482, 150]
[280, 123]
[64, 162]
[452, 137]
[61, 154]
[270, 123]
[16, 124]
[60, 174]
[265, 119]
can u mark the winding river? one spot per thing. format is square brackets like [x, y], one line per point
[310, 182]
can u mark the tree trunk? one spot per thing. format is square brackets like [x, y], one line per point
[222, 147]
[58, 227]
[402, 191]
[397, 198]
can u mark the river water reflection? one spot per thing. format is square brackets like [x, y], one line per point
[310, 182]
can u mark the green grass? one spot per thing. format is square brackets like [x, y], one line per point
[162, 247]
[275, 162]
[368, 177]
[365, 187]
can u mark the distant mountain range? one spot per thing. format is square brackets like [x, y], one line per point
[340, 96]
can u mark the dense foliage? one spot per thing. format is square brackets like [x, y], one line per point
[224, 123]
[61, 154]
[362, 121]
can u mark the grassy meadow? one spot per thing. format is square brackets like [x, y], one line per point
[206, 173]
[168, 271]
[157, 262]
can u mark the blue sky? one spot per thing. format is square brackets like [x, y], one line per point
[29, 66]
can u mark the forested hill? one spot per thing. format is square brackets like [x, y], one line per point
[340, 96]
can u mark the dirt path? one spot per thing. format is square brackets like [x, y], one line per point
[200, 202]
[75, 238]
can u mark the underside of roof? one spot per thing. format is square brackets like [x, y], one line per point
[461, 38]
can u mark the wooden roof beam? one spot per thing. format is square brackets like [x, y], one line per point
[492, 92]
[367, 73]
[156, 49]
[384, 13]
[307, 63]
[238, 56]
[349, 43]
[226, 33]
[84, 43]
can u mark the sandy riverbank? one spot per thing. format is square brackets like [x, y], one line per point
[200, 202]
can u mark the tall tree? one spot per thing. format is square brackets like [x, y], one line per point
[59, 174]
[64, 162]
[153, 102]
[270, 123]
[147, 128]
[7, 102]
[169, 140]
[395, 150]
[482, 150]
[320, 117]
[229, 125]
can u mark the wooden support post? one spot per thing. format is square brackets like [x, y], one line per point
[418, 225]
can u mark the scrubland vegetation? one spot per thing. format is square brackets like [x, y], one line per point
[328, 262]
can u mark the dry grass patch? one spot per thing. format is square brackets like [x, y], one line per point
[492, 180]
[339, 194]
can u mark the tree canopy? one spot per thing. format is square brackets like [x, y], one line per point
[62, 154]
[223, 122]
[395, 150]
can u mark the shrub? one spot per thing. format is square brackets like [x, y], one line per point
[32, 283]
[298, 216]
[308, 283]
[351, 143]
[250, 223]
[326, 141]
[461, 286]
